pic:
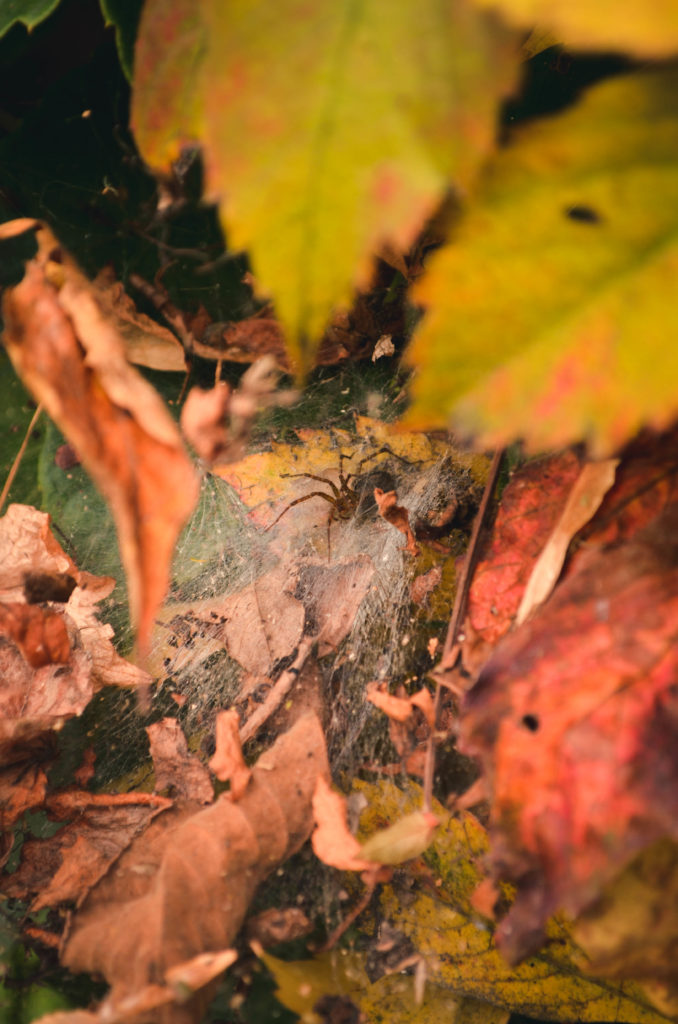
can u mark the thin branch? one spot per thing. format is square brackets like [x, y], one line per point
[452, 646]
[19, 456]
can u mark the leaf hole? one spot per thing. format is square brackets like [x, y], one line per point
[530, 722]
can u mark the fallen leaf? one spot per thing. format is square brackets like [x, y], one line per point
[573, 720]
[530, 507]
[176, 770]
[218, 422]
[273, 926]
[228, 763]
[56, 657]
[457, 944]
[63, 867]
[147, 343]
[73, 360]
[584, 500]
[332, 841]
[182, 889]
[396, 515]
[39, 633]
[398, 708]
[258, 625]
[406, 839]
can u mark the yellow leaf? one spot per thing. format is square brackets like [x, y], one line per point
[328, 128]
[550, 317]
[647, 28]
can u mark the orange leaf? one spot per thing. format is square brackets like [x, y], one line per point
[333, 842]
[228, 764]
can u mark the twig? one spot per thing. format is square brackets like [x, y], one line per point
[452, 646]
[278, 693]
[334, 936]
[19, 456]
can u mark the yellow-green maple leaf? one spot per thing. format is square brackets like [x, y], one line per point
[329, 128]
[552, 315]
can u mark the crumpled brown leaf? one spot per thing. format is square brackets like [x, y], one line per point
[397, 515]
[183, 887]
[176, 769]
[53, 657]
[72, 358]
[228, 763]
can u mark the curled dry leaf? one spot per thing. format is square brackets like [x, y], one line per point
[72, 358]
[333, 843]
[177, 770]
[53, 658]
[218, 422]
[147, 343]
[398, 708]
[228, 764]
[397, 515]
[583, 501]
[183, 888]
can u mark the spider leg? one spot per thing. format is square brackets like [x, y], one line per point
[298, 501]
[320, 479]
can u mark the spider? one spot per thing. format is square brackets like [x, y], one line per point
[343, 498]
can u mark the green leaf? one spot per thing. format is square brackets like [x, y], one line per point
[551, 316]
[329, 129]
[124, 15]
[29, 12]
[648, 27]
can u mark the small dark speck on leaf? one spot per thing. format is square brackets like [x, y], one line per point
[530, 722]
[583, 214]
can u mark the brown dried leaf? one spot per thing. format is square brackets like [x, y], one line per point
[258, 626]
[397, 708]
[397, 515]
[228, 764]
[183, 888]
[73, 360]
[218, 423]
[333, 843]
[147, 343]
[63, 867]
[182, 773]
[278, 925]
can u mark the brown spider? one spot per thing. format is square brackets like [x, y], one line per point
[343, 498]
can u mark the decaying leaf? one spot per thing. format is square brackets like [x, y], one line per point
[333, 843]
[218, 422]
[175, 768]
[147, 343]
[584, 500]
[396, 515]
[457, 945]
[406, 839]
[53, 657]
[183, 888]
[228, 763]
[72, 359]
[574, 719]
